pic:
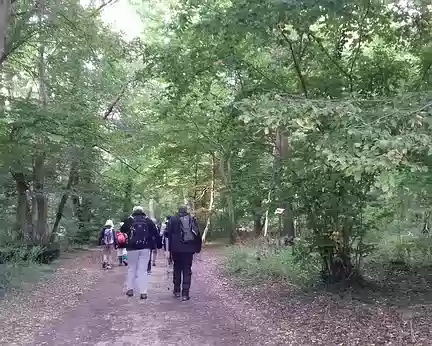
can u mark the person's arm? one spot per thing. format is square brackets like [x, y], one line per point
[101, 235]
[153, 233]
[125, 228]
[169, 232]
[198, 237]
[115, 238]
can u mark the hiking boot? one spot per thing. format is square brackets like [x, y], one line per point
[129, 293]
[185, 295]
[143, 296]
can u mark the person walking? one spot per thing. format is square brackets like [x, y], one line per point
[141, 234]
[121, 247]
[184, 240]
[165, 245]
[107, 240]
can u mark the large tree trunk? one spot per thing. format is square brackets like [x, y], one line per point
[23, 223]
[212, 193]
[225, 171]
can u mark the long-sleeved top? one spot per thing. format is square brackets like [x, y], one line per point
[101, 240]
[175, 243]
[152, 232]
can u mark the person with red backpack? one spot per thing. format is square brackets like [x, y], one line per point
[121, 247]
[141, 239]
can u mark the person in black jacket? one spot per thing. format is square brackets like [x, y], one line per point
[142, 235]
[184, 240]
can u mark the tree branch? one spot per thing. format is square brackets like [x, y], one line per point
[6, 53]
[339, 67]
[296, 62]
[100, 8]
[357, 51]
[113, 104]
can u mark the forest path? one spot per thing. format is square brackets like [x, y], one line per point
[83, 305]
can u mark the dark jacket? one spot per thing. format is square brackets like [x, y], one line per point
[175, 242]
[102, 234]
[153, 234]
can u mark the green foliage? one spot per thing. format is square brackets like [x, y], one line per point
[252, 266]
[234, 108]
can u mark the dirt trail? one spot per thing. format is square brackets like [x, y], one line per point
[82, 305]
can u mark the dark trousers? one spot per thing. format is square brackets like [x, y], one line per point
[182, 271]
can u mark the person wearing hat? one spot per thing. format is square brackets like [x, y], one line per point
[142, 234]
[107, 240]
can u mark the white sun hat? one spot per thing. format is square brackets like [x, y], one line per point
[137, 208]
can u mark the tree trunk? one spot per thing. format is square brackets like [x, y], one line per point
[63, 201]
[212, 193]
[257, 216]
[152, 212]
[225, 170]
[5, 9]
[127, 203]
[40, 198]
[282, 152]
[39, 162]
[86, 206]
[22, 225]
[266, 218]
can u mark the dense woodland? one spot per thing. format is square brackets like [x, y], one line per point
[234, 107]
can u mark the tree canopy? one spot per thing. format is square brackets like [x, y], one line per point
[234, 108]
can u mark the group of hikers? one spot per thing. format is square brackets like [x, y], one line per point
[137, 241]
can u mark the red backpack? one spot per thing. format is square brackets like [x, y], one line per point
[121, 239]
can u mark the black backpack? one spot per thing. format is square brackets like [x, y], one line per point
[188, 229]
[139, 232]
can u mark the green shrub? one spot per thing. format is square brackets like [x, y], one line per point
[39, 254]
[252, 265]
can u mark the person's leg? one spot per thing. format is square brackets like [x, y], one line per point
[124, 257]
[104, 256]
[154, 257]
[149, 267]
[187, 274]
[177, 272]
[120, 256]
[110, 252]
[132, 271]
[143, 258]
